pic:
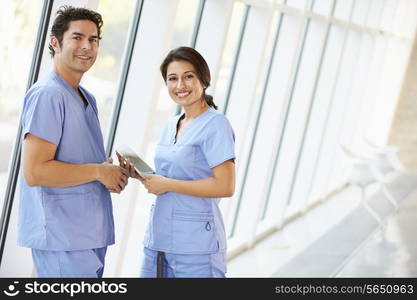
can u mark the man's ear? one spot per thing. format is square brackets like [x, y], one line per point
[55, 44]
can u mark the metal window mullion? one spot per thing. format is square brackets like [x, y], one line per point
[124, 76]
[236, 59]
[15, 159]
[197, 23]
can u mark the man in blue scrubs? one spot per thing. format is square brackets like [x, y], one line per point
[65, 211]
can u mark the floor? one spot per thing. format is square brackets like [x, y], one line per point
[340, 238]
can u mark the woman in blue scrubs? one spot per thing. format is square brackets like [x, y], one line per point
[195, 168]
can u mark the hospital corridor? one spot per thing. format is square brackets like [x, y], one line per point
[322, 99]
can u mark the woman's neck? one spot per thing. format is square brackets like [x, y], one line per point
[193, 111]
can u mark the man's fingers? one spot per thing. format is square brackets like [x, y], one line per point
[123, 180]
[131, 169]
[125, 172]
[119, 156]
[122, 186]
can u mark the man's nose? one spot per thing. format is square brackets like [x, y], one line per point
[86, 44]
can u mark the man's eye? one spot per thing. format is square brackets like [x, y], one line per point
[94, 40]
[77, 38]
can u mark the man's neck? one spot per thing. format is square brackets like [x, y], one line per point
[71, 77]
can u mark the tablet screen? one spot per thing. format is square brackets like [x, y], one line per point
[140, 164]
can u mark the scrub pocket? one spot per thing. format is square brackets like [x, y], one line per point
[72, 219]
[193, 232]
[149, 229]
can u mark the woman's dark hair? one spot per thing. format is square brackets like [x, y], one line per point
[65, 15]
[200, 65]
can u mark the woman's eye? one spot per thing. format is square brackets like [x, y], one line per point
[171, 79]
[189, 76]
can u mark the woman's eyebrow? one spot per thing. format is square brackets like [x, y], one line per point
[190, 71]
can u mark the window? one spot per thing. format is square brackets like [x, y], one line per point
[229, 55]
[101, 80]
[19, 22]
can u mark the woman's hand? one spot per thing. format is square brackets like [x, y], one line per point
[155, 184]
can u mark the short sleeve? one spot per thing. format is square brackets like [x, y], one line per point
[43, 115]
[218, 145]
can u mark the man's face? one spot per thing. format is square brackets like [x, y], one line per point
[79, 47]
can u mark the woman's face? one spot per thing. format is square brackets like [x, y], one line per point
[183, 85]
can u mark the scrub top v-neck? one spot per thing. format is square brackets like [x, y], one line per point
[186, 224]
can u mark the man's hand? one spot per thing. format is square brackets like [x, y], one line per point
[128, 165]
[114, 178]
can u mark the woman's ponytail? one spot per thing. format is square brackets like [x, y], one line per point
[209, 100]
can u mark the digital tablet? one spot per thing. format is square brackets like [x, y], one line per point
[140, 165]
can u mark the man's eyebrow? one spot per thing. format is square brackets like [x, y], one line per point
[82, 34]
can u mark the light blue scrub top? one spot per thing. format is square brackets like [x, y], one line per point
[65, 218]
[185, 224]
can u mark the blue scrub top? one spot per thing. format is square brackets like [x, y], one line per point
[65, 218]
[185, 224]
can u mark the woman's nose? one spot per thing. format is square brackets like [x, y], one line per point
[180, 84]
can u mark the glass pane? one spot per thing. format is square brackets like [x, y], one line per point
[16, 261]
[343, 92]
[297, 3]
[324, 182]
[319, 115]
[102, 78]
[388, 15]
[323, 7]
[184, 21]
[263, 153]
[229, 52]
[182, 35]
[356, 116]
[18, 27]
[298, 114]
[273, 113]
[343, 9]
[360, 12]
[375, 13]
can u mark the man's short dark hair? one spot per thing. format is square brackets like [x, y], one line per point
[65, 15]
